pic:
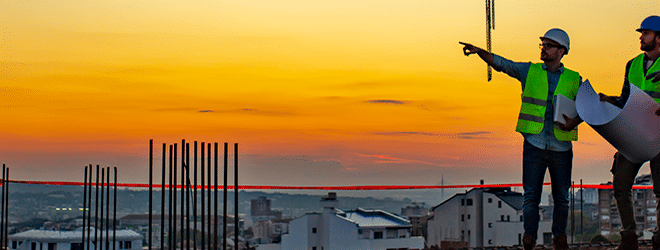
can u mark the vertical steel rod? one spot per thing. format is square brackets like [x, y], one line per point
[2, 209]
[169, 205]
[107, 209]
[183, 192]
[208, 210]
[202, 195]
[6, 197]
[188, 196]
[215, 212]
[151, 189]
[236, 219]
[174, 200]
[224, 198]
[89, 206]
[195, 199]
[102, 206]
[84, 204]
[162, 201]
[114, 213]
[96, 210]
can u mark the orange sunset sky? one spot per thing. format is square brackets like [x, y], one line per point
[315, 92]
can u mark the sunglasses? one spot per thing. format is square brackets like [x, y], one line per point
[547, 46]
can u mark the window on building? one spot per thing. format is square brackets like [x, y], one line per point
[462, 217]
[468, 216]
[508, 218]
[490, 200]
[378, 235]
[313, 248]
[547, 238]
[462, 202]
[521, 218]
[499, 204]
[33, 246]
[14, 244]
[468, 202]
[52, 246]
[501, 217]
[76, 246]
[490, 242]
[128, 244]
[490, 225]
[313, 230]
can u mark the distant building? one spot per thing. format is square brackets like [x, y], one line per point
[260, 209]
[417, 214]
[481, 217]
[71, 240]
[644, 207]
[334, 229]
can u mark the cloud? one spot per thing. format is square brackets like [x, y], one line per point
[387, 102]
[465, 135]
[246, 111]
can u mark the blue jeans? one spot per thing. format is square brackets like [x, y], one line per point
[559, 164]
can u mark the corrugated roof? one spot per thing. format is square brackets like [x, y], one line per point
[76, 235]
[374, 218]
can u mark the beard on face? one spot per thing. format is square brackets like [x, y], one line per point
[648, 46]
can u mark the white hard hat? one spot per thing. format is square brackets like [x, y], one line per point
[559, 36]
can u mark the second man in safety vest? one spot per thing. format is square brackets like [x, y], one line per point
[547, 144]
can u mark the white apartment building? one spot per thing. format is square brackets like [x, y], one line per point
[361, 229]
[482, 217]
[71, 240]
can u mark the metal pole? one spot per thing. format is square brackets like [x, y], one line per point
[102, 197]
[208, 210]
[581, 209]
[89, 206]
[114, 212]
[202, 194]
[2, 209]
[7, 211]
[183, 191]
[174, 200]
[151, 188]
[96, 210]
[236, 219]
[107, 209]
[195, 198]
[572, 213]
[224, 198]
[215, 212]
[188, 196]
[162, 200]
[169, 213]
[84, 205]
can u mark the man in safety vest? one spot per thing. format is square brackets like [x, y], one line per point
[547, 144]
[639, 72]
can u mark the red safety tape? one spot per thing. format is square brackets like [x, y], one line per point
[361, 187]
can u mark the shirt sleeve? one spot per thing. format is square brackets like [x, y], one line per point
[516, 70]
[625, 90]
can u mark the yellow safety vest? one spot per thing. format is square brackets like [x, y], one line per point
[636, 76]
[534, 103]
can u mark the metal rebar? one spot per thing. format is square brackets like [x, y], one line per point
[215, 212]
[195, 198]
[183, 191]
[2, 209]
[202, 195]
[107, 209]
[224, 205]
[151, 189]
[169, 211]
[188, 196]
[162, 200]
[236, 219]
[96, 210]
[89, 205]
[84, 204]
[102, 201]
[174, 199]
[114, 213]
[210, 199]
[6, 238]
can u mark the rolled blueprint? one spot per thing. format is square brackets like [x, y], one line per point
[633, 130]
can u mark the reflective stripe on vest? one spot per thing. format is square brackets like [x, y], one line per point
[534, 103]
[636, 76]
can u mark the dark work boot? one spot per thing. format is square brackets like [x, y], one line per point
[628, 242]
[528, 242]
[559, 242]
